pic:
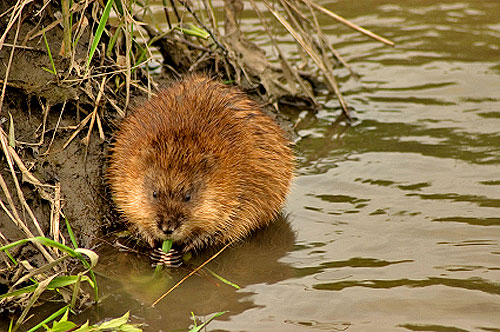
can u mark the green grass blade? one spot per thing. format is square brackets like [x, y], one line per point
[70, 232]
[63, 281]
[119, 6]
[13, 244]
[50, 318]
[227, 282]
[48, 70]
[54, 71]
[10, 257]
[100, 29]
[57, 282]
[24, 290]
[96, 290]
[93, 262]
[113, 39]
[194, 319]
[73, 253]
[51, 243]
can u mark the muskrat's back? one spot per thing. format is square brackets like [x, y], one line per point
[199, 164]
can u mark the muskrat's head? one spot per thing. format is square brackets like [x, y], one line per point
[179, 195]
[172, 196]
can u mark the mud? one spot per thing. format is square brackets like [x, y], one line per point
[27, 71]
[31, 110]
[78, 169]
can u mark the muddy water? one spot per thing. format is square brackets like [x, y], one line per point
[394, 223]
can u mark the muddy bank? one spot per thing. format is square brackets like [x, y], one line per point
[77, 168]
[40, 112]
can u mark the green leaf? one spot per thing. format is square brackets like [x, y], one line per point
[90, 254]
[115, 323]
[62, 281]
[194, 31]
[83, 328]
[130, 328]
[77, 253]
[64, 317]
[199, 31]
[62, 326]
[51, 243]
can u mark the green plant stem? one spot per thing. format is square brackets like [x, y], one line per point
[50, 318]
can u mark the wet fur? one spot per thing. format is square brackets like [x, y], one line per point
[200, 164]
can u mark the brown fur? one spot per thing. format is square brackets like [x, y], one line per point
[199, 164]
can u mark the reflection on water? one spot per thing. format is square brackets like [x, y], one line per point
[396, 219]
[131, 284]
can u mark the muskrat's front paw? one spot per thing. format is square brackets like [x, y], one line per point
[172, 258]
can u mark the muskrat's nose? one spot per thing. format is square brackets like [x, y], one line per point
[167, 231]
[168, 226]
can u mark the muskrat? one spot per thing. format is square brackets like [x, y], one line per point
[200, 164]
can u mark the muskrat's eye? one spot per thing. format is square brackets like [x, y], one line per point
[187, 197]
[155, 194]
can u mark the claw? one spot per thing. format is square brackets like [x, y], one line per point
[172, 258]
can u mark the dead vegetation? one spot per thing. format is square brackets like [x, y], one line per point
[86, 60]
